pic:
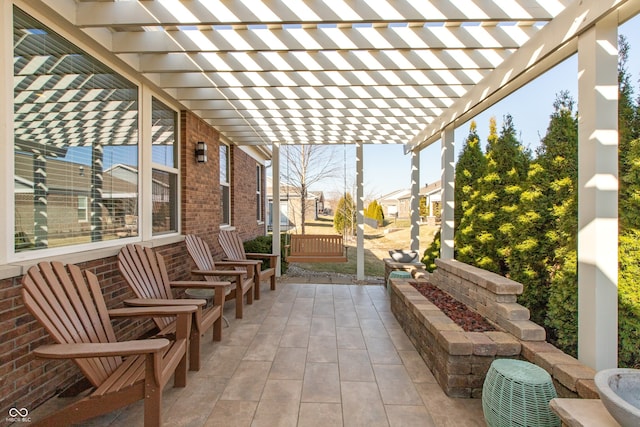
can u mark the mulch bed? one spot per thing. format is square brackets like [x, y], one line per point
[467, 319]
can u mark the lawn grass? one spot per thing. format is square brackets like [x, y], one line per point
[377, 243]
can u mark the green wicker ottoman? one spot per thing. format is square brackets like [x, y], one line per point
[397, 274]
[517, 393]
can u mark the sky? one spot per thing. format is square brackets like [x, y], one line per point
[387, 168]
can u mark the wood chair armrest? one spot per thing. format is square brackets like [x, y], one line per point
[261, 255]
[202, 284]
[153, 311]
[123, 348]
[155, 302]
[239, 262]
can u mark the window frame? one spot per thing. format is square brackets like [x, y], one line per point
[259, 194]
[225, 203]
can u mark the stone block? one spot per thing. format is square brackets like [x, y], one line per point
[507, 345]
[586, 389]
[531, 348]
[509, 311]
[568, 375]
[548, 361]
[482, 344]
[455, 343]
[525, 330]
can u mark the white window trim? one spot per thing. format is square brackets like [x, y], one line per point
[226, 184]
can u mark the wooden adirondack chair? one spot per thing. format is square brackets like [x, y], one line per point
[243, 278]
[146, 274]
[234, 251]
[70, 306]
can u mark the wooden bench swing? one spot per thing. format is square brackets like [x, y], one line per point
[315, 248]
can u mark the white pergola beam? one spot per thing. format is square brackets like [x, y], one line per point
[476, 37]
[553, 43]
[150, 13]
[415, 201]
[359, 210]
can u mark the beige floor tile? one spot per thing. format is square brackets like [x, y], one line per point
[289, 364]
[400, 339]
[389, 320]
[231, 413]
[281, 309]
[362, 405]
[322, 349]
[350, 338]
[240, 334]
[224, 361]
[366, 311]
[347, 319]
[355, 365]
[373, 327]
[295, 336]
[341, 293]
[282, 390]
[408, 416]
[396, 388]
[247, 382]
[307, 291]
[320, 415]
[382, 351]
[263, 347]
[416, 368]
[276, 414]
[323, 309]
[273, 324]
[321, 383]
[323, 326]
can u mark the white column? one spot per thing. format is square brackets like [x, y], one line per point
[145, 178]
[275, 209]
[447, 179]
[598, 195]
[360, 214]
[415, 201]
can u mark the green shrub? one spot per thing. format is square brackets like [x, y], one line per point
[431, 253]
[264, 245]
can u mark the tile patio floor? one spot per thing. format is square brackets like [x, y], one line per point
[308, 354]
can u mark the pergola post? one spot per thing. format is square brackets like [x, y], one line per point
[360, 211]
[598, 195]
[275, 205]
[415, 200]
[447, 194]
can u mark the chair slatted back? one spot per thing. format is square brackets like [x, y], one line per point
[70, 306]
[232, 244]
[200, 254]
[146, 273]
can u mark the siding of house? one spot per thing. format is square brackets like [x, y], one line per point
[28, 381]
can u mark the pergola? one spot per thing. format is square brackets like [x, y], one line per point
[275, 72]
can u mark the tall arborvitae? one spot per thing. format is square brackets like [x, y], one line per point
[629, 216]
[498, 199]
[470, 167]
[551, 181]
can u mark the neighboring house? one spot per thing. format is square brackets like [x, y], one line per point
[290, 205]
[397, 204]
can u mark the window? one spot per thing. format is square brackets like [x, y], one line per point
[259, 201]
[76, 142]
[225, 184]
[165, 172]
[83, 210]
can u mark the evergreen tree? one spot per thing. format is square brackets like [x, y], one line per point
[344, 219]
[552, 179]
[470, 167]
[431, 253]
[498, 199]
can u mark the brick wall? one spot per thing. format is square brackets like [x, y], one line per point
[243, 200]
[27, 381]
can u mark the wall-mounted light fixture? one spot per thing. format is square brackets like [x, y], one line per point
[201, 152]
